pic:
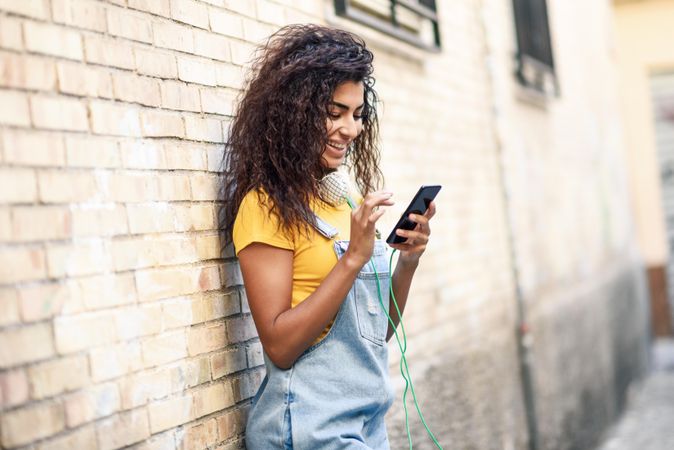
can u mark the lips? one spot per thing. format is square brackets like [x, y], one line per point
[337, 146]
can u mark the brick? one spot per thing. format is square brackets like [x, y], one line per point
[217, 101]
[213, 398]
[188, 374]
[173, 36]
[176, 313]
[154, 284]
[162, 124]
[161, 441]
[256, 32]
[10, 33]
[13, 387]
[83, 331]
[105, 291]
[230, 361]
[135, 253]
[57, 186]
[5, 226]
[204, 186]
[25, 344]
[42, 301]
[190, 12]
[242, 52]
[193, 70]
[195, 217]
[131, 187]
[270, 12]
[174, 187]
[208, 246]
[231, 423]
[170, 413]
[203, 129]
[246, 8]
[32, 148]
[231, 274]
[59, 113]
[155, 63]
[81, 258]
[229, 75]
[109, 52]
[226, 23]
[180, 96]
[55, 377]
[26, 72]
[151, 218]
[19, 264]
[247, 384]
[52, 40]
[139, 320]
[205, 339]
[83, 80]
[240, 329]
[80, 14]
[123, 429]
[215, 155]
[142, 154]
[114, 119]
[137, 389]
[98, 220]
[19, 426]
[211, 45]
[115, 361]
[216, 306]
[87, 151]
[9, 306]
[200, 436]
[28, 223]
[36, 9]
[183, 156]
[91, 404]
[158, 7]
[135, 89]
[15, 108]
[129, 25]
[164, 348]
[254, 354]
[82, 438]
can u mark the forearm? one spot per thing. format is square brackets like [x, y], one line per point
[400, 282]
[297, 328]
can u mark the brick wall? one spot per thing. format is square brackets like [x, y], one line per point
[120, 322]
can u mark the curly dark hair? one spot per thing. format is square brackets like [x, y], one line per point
[279, 131]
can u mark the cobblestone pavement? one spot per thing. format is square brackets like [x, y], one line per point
[648, 421]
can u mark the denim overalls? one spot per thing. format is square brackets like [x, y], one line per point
[336, 394]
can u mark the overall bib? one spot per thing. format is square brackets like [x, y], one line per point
[336, 394]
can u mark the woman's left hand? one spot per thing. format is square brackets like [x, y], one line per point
[417, 239]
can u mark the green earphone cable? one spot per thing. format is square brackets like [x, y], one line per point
[402, 347]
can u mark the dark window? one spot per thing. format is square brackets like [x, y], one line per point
[535, 64]
[413, 21]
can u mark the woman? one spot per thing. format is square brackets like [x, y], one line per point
[307, 261]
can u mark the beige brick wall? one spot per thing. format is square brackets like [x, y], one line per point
[121, 324]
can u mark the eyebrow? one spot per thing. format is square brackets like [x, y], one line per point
[343, 106]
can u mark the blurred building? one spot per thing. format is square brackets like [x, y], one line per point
[646, 56]
[121, 324]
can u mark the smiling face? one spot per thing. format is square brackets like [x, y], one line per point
[345, 122]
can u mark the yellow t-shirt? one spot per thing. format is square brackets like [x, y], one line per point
[313, 256]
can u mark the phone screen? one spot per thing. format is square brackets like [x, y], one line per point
[418, 205]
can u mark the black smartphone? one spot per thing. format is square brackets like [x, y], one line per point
[418, 205]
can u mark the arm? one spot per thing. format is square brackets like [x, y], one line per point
[287, 332]
[410, 252]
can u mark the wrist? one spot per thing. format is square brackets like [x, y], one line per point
[408, 263]
[351, 262]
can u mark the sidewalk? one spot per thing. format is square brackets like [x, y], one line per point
[648, 421]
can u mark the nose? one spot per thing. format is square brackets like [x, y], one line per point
[349, 128]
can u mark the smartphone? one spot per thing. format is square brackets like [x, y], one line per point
[418, 205]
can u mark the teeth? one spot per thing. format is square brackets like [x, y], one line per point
[339, 146]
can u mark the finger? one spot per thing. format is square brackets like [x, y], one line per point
[413, 237]
[430, 212]
[375, 199]
[422, 223]
[374, 217]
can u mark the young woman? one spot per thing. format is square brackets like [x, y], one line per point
[309, 262]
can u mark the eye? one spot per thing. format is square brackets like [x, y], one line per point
[333, 115]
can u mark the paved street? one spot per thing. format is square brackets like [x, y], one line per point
[648, 422]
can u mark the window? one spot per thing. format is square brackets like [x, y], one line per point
[413, 21]
[535, 64]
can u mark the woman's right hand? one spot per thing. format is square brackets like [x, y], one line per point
[363, 221]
